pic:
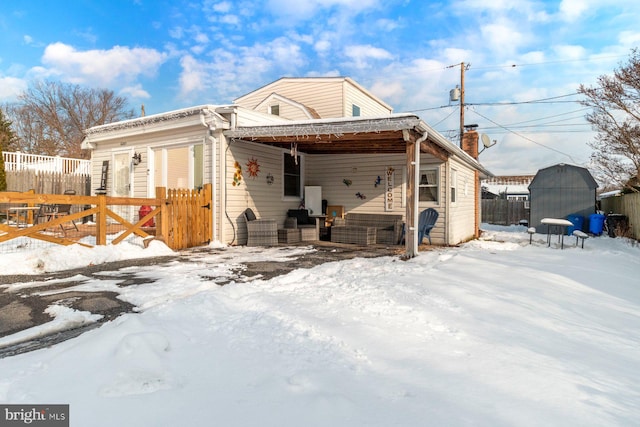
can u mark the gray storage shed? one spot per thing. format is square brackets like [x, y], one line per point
[561, 190]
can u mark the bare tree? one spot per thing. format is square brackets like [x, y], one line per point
[615, 103]
[50, 117]
[7, 136]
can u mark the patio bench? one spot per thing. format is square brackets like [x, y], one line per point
[308, 227]
[367, 229]
[580, 235]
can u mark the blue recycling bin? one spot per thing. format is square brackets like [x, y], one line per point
[596, 224]
[577, 221]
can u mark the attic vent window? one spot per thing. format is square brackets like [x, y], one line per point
[275, 110]
[355, 110]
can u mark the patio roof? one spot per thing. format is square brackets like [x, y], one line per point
[361, 135]
[371, 135]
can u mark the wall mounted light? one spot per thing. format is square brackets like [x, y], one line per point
[137, 158]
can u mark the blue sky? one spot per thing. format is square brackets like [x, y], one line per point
[526, 58]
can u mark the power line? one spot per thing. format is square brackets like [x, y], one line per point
[533, 101]
[526, 138]
[550, 117]
[561, 61]
[496, 67]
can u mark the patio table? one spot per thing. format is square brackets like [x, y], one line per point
[21, 212]
[558, 224]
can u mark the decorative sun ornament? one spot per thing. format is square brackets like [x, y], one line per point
[253, 167]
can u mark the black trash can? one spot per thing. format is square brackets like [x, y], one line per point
[617, 225]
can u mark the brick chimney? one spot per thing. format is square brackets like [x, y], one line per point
[470, 143]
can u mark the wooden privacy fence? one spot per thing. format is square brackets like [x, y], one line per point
[182, 217]
[47, 182]
[188, 217]
[504, 212]
[628, 205]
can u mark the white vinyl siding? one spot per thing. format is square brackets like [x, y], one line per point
[256, 193]
[330, 172]
[368, 106]
[462, 212]
[329, 97]
[145, 179]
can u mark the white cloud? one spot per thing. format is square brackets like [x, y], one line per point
[569, 52]
[104, 67]
[27, 39]
[572, 10]
[322, 46]
[201, 38]
[503, 37]
[11, 87]
[229, 19]
[176, 32]
[193, 75]
[135, 92]
[361, 54]
[284, 52]
[387, 24]
[222, 7]
[629, 39]
[301, 10]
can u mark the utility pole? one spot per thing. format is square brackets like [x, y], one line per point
[461, 101]
[458, 94]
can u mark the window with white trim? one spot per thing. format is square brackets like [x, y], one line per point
[274, 109]
[355, 110]
[454, 184]
[428, 185]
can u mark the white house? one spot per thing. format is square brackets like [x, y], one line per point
[264, 161]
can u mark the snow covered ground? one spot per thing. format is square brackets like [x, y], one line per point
[494, 333]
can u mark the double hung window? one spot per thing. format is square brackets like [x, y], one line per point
[428, 185]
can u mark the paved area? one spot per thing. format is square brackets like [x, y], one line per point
[25, 307]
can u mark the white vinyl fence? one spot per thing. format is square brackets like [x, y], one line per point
[17, 161]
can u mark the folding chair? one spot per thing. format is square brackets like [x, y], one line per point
[61, 210]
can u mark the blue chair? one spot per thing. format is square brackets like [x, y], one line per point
[426, 222]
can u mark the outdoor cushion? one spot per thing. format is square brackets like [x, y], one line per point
[302, 215]
[249, 215]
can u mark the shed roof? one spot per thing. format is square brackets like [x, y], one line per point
[550, 177]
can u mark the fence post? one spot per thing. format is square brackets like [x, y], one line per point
[101, 221]
[30, 204]
[162, 226]
[208, 197]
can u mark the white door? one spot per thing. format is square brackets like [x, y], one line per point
[122, 174]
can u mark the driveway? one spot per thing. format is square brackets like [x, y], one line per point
[23, 307]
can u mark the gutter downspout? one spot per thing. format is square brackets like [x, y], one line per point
[447, 203]
[224, 147]
[214, 195]
[413, 228]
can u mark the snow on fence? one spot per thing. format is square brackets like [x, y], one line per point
[16, 161]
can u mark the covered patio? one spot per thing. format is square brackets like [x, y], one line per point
[396, 134]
